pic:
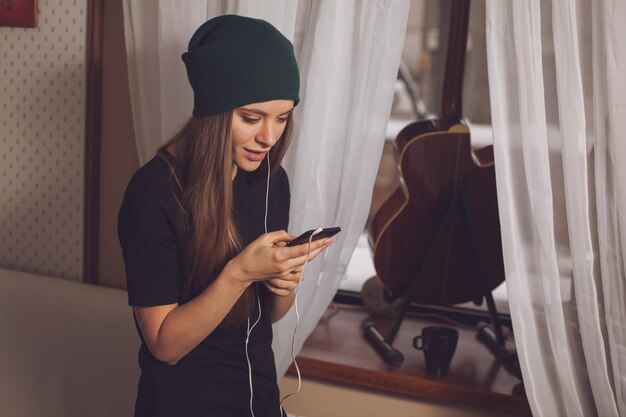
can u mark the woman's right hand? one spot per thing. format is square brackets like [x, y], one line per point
[267, 257]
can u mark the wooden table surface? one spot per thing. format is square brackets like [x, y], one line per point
[337, 351]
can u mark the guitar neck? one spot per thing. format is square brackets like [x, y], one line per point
[452, 98]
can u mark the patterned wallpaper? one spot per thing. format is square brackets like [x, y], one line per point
[42, 112]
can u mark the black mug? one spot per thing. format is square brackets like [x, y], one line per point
[438, 344]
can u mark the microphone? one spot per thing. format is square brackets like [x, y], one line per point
[505, 354]
[391, 354]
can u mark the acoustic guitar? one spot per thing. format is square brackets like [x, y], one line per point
[436, 161]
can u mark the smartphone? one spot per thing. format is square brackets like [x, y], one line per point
[304, 237]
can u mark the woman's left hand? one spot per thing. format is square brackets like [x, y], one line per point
[284, 285]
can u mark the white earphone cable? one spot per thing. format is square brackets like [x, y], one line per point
[248, 333]
[267, 189]
[249, 330]
[295, 330]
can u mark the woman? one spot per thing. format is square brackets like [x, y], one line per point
[202, 228]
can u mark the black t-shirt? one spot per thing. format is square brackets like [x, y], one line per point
[212, 379]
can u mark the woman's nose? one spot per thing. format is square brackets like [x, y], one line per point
[267, 135]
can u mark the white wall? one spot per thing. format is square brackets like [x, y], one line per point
[42, 116]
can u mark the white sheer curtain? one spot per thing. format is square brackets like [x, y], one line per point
[558, 113]
[348, 53]
[349, 59]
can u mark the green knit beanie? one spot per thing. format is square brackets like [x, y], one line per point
[234, 60]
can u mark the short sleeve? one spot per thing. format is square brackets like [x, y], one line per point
[149, 244]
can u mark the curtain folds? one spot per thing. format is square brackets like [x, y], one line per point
[348, 53]
[557, 110]
[349, 59]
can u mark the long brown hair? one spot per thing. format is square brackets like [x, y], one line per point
[202, 170]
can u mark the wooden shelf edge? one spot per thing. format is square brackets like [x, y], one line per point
[428, 389]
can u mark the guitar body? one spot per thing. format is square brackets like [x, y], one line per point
[434, 164]
[395, 202]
